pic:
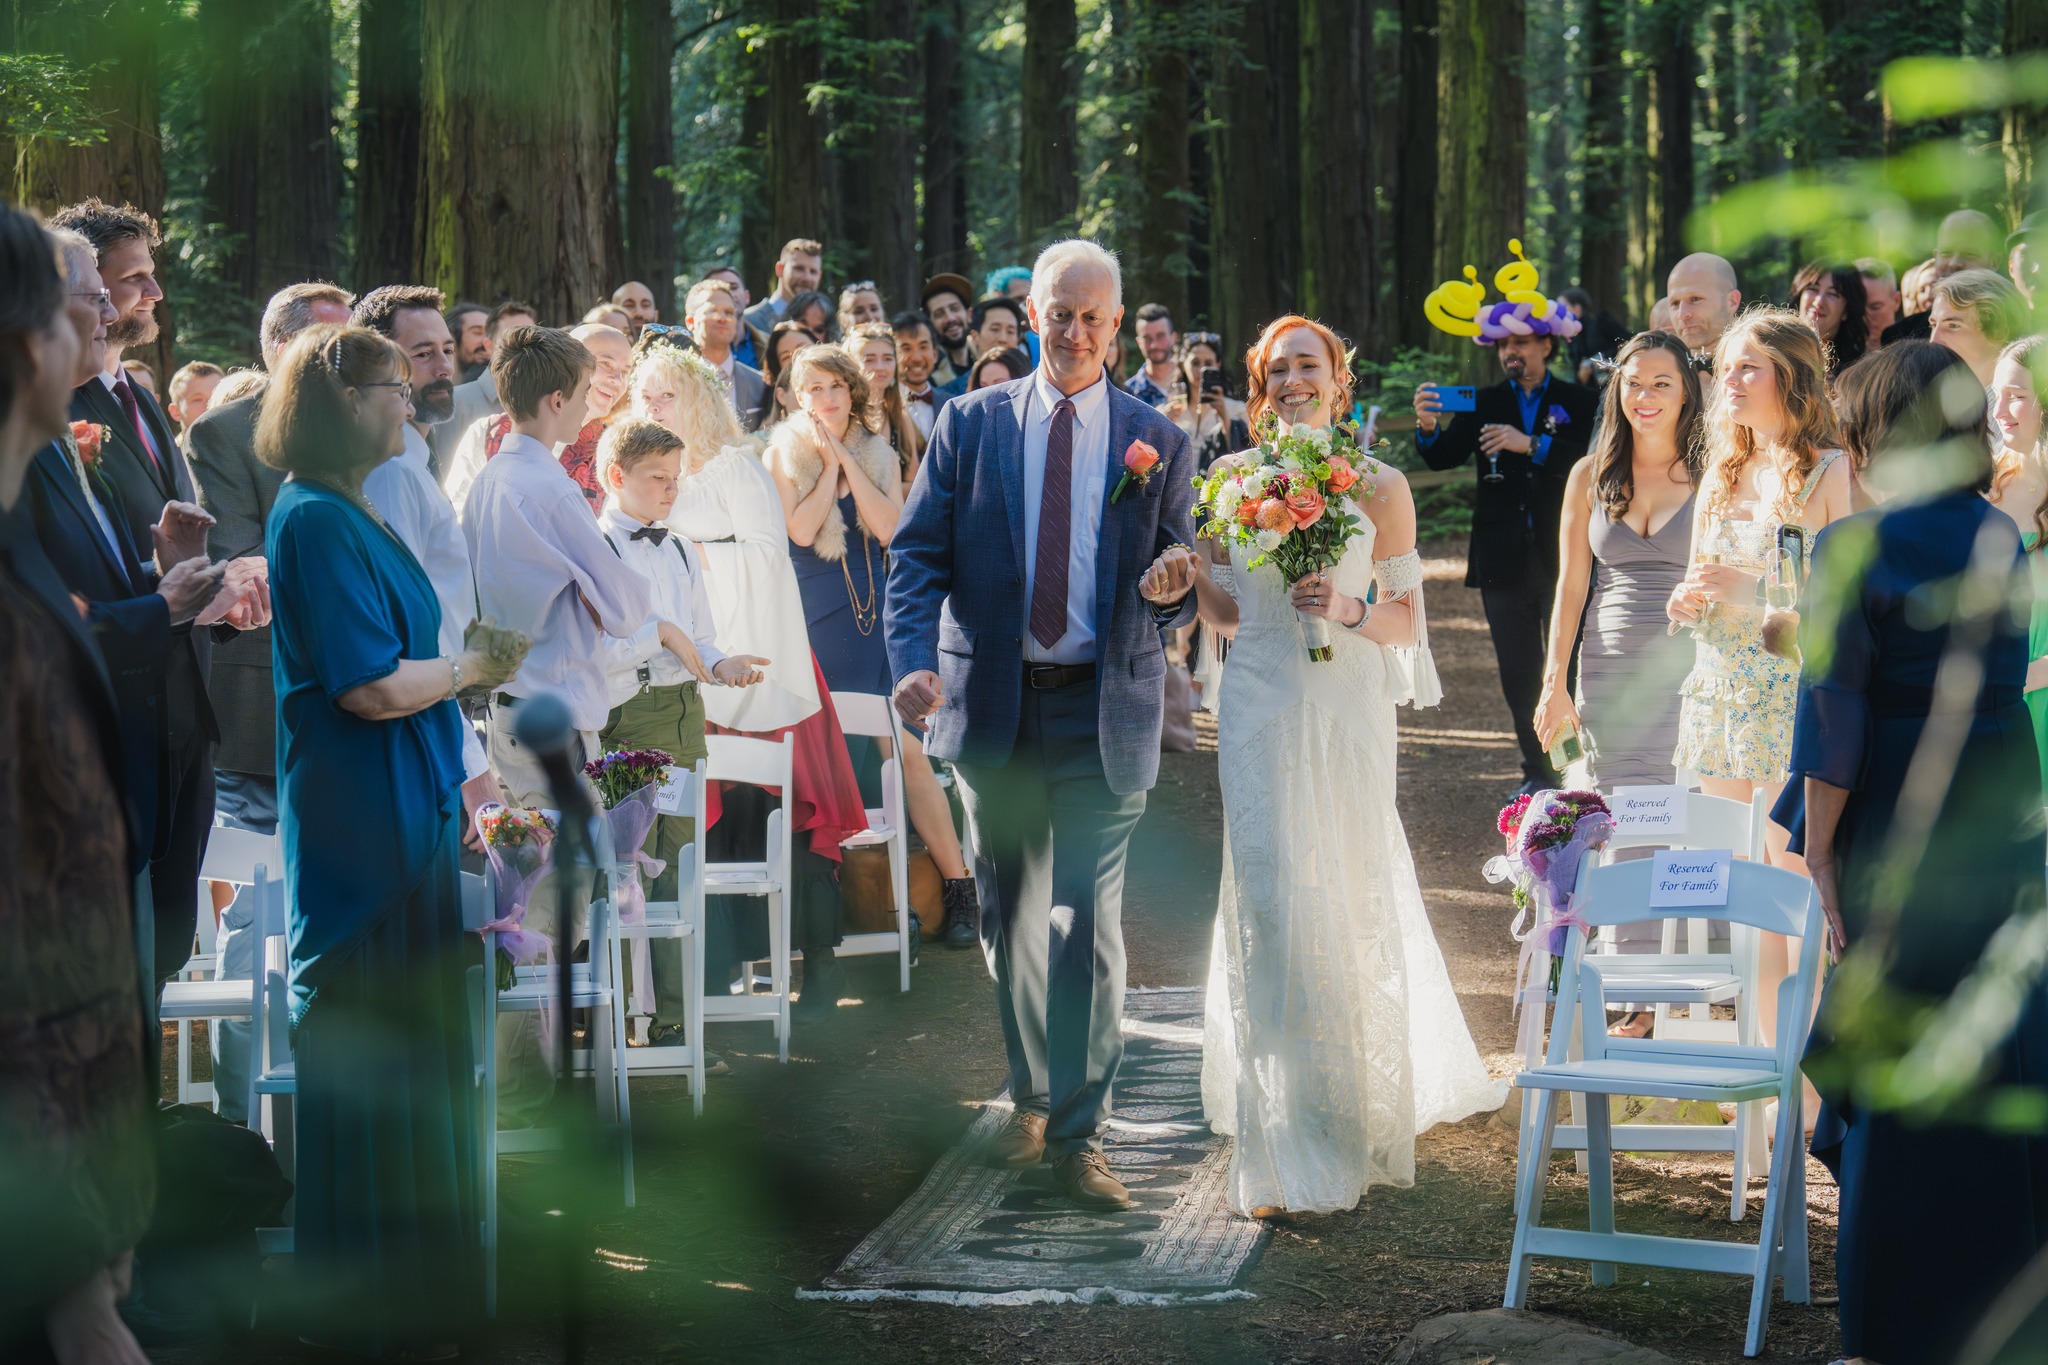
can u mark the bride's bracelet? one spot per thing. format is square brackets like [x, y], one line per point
[1364, 614]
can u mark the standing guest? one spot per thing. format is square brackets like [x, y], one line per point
[243, 381]
[478, 398]
[1911, 930]
[608, 315]
[752, 342]
[1880, 300]
[81, 1173]
[470, 325]
[1830, 299]
[1975, 313]
[604, 403]
[654, 675]
[785, 339]
[2026, 259]
[1212, 420]
[713, 317]
[1524, 436]
[814, 311]
[192, 393]
[1154, 381]
[1623, 544]
[1600, 334]
[2019, 488]
[995, 324]
[1661, 319]
[873, 344]
[1013, 282]
[370, 778]
[1000, 367]
[1701, 290]
[401, 313]
[1966, 240]
[837, 478]
[917, 358]
[636, 301]
[799, 267]
[141, 376]
[944, 300]
[1916, 291]
[859, 304]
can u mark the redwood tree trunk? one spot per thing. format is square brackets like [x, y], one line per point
[1255, 219]
[795, 136]
[945, 188]
[1483, 134]
[891, 177]
[1338, 246]
[388, 140]
[2026, 31]
[1049, 183]
[518, 192]
[1415, 175]
[1157, 269]
[650, 219]
[1603, 230]
[1671, 131]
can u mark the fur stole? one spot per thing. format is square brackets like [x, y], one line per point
[793, 453]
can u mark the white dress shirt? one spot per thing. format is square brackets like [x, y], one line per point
[543, 568]
[678, 597]
[1090, 472]
[926, 415]
[403, 490]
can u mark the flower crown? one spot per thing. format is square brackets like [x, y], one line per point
[1460, 307]
[690, 362]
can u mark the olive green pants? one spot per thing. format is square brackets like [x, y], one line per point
[670, 719]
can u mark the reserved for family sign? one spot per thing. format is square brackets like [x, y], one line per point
[1648, 810]
[1690, 876]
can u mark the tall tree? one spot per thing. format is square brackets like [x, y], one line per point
[2025, 127]
[650, 218]
[1859, 39]
[1603, 233]
[1255, 225]
[1483, 133]
[518, 193]
[1158, 266]
[1415, 175]
[387, 140]
[795, 135]
[945, 188]
[758, 243]
[1049, 182]
[891, 173]
[1337, 239]
[1672, 85]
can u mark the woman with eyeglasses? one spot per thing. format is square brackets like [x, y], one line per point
[1214, 421]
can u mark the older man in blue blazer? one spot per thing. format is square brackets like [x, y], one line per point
[1019, 637]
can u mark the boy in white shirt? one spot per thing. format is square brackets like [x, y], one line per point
[653, 675]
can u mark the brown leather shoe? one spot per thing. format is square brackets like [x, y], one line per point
[1020, 1143]
[1084, 1178]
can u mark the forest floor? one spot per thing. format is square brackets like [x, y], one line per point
[792, 1165]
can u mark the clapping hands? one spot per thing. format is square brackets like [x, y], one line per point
[180, 534]
[244, 598]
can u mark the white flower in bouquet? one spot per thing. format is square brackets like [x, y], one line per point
[1229, 498]
[1268, 541]
[1255, 482]
[1289, 463]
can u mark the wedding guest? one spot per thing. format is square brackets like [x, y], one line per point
[479, 397]
[1910, 931]
[1916, 292]
[839, 479]
[1623, 544]
[814, 310]
[1661, 319]
[713, 317]
[752, 341]
[1881, 300]
[917, 356]
[873, 344]
[78, 1082]
[860, 303]
[1975, 313]
[243, 381]
[411, 315]
[636, 301]
[607, 315]
[1830, 299]
[1014, 282]
[192, 389]
[1213, 421]
[999, 367]
[1154, 381]
[1966, 240]
[1701, 290]
[385, 1241]
[799, 268]
[944, 301]
[785, 339]
[605, 402]
[469, 324]
[2019, 488]
[1524, 436]
[995, 325]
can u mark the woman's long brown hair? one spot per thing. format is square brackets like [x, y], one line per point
[1614, 443]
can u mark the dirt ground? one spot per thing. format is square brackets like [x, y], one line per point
[791, 1166]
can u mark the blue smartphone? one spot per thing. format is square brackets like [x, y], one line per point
[1457, 397]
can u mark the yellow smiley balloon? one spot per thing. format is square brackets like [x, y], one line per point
[1453, 306]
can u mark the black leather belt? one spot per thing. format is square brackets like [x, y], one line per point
[1051, 677]
[505, 699]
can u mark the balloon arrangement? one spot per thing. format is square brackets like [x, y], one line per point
[1460, 307]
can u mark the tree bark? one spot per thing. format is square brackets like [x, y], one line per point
[1603, 233]
[1859, 38]
[1049, 183]
[1483, 134]
[2024, 126]
[1255, 215]
[945, 188]
[796, 140]
[650, 217]
[1158, 269]
[757, 249]
[388, 140]
[891, 175]
[519, 193]
[1338, 246]
[1671, 132]
[1415, 175]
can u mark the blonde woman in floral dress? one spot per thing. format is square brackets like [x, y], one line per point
[1774, 459]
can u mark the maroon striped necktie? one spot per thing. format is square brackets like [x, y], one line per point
[1055, 518]
[133, 410]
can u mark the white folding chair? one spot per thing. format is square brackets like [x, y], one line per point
[243, 858]
[865, 713]
[760, 763]
[1764, 898]
[273, 1076]
[681, 921]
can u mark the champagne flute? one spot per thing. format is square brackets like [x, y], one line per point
[1781, 589]
[1706, 607]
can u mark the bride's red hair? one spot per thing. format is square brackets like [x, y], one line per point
[1259, 359]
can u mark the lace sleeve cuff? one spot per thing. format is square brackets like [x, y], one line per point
[1398, 576]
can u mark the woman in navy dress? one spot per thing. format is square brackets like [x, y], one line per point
[1938, 1211]
[369, 779]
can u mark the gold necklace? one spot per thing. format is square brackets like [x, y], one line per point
[863, 612]
[355, 495]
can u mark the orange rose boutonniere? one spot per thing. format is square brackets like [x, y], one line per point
[89, 437]
[1139, 462]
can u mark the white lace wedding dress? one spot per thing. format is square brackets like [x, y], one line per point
[1333, 1036]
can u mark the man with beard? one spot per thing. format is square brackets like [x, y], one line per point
[469, 323]
[1703, 296]
[636, 301]
[917, 352]
[799, 268]
[945, 299]
[407, 493]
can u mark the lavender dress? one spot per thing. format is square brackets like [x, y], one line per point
[1630, 670]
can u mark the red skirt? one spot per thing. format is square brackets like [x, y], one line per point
[827, 804]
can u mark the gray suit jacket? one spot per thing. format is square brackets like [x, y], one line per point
[477, 398]
[749, 386]
[239, 490]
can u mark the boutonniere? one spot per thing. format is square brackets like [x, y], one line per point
[1556, 418]
[88, 437]
[1139, 461]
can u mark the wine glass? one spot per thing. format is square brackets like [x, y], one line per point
[1493, 474]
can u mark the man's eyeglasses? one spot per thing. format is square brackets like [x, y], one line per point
[403, 386]
[103, 297]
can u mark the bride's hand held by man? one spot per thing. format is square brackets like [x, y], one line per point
[1170, 578]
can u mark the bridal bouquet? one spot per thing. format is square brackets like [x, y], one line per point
[1294, 501]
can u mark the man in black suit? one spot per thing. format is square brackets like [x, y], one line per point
[1528, 432]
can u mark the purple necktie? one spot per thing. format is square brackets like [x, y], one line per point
[134, 411]
[1055, 513]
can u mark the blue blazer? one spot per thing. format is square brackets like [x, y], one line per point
[956, 584]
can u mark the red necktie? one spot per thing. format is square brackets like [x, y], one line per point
[1055, 513]
[134, 411]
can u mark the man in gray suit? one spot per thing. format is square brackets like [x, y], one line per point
[1023, 626]
[713, 317]
[479, 397]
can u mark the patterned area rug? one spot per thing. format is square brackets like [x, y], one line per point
[978, 1236]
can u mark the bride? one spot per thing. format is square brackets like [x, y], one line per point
[1333, 1036]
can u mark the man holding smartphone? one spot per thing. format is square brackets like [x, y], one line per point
[1527, 432]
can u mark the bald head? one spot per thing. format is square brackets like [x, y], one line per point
[614, 356]
[636, 300]
[1967, 240]
[1703, 299]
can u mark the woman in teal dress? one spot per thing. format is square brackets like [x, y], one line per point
[369, 777]
[2019, 488]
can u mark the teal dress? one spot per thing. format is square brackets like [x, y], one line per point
[2037, 646]
[370, 812]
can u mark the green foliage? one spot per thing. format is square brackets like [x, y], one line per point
[49, 99]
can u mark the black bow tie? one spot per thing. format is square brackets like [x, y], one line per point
[657, 534]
